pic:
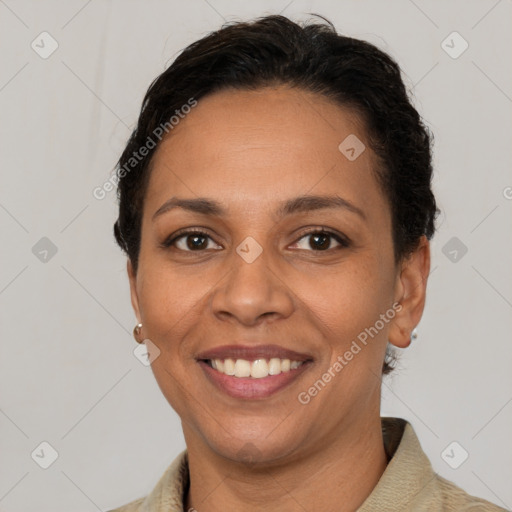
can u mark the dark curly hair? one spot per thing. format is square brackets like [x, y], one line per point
[274, 50]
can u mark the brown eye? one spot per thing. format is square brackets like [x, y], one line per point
[196, 241]
[191, 241]
[321, 240]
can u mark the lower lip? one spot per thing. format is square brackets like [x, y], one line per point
[248, 387]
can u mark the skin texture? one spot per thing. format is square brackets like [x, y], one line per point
[250, 151]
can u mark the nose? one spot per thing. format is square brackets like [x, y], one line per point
[252, 292]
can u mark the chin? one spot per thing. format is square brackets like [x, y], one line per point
[254, 443]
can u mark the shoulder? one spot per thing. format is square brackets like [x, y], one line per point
[456, 499]
[409, 482]
[167, 495]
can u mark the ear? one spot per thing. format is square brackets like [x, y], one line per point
[133, 289]
[410, 292]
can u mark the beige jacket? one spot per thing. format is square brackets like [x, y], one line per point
[409, 484]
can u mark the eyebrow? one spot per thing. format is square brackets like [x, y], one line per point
[299, 204]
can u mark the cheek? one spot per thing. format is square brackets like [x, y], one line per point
[164, 300]
[173, 306]
[347, 301]
[347, 309]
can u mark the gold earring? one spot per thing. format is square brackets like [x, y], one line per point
[136, 332]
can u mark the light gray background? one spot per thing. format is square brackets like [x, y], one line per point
[68, 375]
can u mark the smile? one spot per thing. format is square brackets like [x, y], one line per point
[249, 371]
[252, 379]
[258, 369]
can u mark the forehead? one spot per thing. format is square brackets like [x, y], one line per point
[249, 148]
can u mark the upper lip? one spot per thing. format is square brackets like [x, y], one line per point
[251, 353]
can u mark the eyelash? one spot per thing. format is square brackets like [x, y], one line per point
[342, 240]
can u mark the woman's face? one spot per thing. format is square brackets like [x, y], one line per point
[255, 275]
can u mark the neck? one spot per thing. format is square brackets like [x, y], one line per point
[340, 476]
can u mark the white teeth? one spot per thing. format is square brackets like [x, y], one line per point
[229, 366]
[259, 368]
[242, 368]
[274, 366]
[256, 369]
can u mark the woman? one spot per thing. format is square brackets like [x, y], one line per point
[276, 210]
